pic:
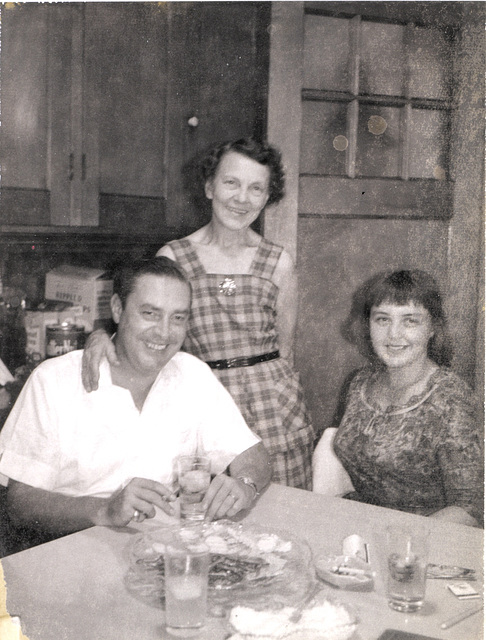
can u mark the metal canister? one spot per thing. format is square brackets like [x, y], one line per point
[62, 338]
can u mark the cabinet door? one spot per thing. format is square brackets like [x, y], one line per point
[41, 99]
[25, 114]
[83, 106]
[124, 107]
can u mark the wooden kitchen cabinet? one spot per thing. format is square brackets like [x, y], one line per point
[96, 104]
[83, 92]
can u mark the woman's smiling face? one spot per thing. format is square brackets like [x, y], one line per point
[239, 190]
[400, 334]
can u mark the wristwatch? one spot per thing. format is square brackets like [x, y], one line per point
[249, 482]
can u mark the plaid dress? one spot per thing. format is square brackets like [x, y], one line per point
[234, 315]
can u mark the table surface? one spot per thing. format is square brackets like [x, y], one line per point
[72, 588]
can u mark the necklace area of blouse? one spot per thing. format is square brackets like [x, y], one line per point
[410, 403]
[393, 410]
[377, 388]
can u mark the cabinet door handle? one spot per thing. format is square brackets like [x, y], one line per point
[71, 166]
[83, 167]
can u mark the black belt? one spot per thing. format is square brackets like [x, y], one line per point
[234, 363]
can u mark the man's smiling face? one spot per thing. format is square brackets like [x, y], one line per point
[152, 325]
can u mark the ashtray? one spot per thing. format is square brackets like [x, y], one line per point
[345, 572]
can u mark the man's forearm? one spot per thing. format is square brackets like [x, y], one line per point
[254, 463]
[53, 512]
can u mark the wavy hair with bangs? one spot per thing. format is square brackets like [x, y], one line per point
[400, 288]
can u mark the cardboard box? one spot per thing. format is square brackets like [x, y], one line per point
[85, 287]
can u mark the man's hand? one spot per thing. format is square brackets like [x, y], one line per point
[227, 496]
[97, 347]
[136, 501]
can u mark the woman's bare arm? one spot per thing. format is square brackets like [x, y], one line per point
[285, 277]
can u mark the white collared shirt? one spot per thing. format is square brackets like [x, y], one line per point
[60, 438]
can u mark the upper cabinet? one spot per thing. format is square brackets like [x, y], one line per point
[106, 105]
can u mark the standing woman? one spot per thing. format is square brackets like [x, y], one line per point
[244, 305]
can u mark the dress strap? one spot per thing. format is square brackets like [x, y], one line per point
[186, 257]
[266, 259]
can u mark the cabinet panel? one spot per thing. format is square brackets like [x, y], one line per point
[382, 54]
[326, 39]
[125, 64]
[24, 131]
[324, 125]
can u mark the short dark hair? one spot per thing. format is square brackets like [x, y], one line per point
[262, 152]
[126, 275]
[401, 288]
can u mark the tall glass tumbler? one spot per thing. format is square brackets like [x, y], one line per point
[194, 479]
[407, 552]
[186, 587]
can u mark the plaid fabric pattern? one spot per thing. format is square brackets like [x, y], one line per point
[269, 394]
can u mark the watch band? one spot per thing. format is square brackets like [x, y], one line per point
[250, 483]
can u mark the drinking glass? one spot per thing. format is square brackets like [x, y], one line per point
[407, 552]
[186, 587]
[194, 479]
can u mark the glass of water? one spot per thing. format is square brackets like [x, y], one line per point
[407, 552]
[186, 587]
[194, 479]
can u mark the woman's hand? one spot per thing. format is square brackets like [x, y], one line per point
[227, 496]
[97, 347]
[136, 501]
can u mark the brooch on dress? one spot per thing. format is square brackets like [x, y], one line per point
[227, 287]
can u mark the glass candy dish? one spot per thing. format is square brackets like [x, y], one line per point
[250, 564]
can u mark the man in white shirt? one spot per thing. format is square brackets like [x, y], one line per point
[75, 459]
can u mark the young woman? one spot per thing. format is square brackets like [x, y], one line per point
[244, 305]
[410, 438]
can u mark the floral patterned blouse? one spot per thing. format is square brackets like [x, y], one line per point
[419, 457]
